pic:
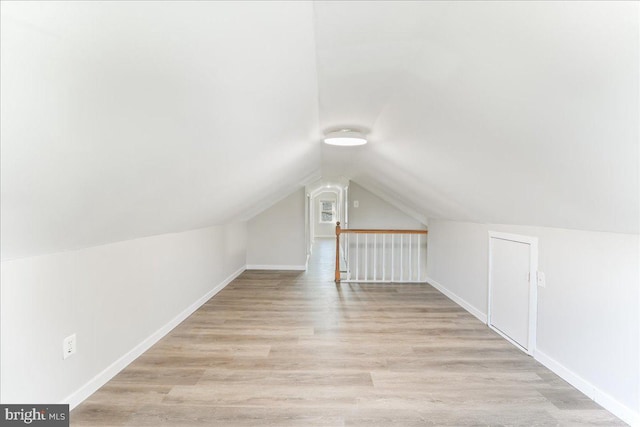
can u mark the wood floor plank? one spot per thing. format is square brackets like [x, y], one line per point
[294, 349]
[182, 415]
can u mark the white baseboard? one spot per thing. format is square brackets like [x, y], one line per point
[77, 397]
[300, 267]
[609, 403]
[461, 302]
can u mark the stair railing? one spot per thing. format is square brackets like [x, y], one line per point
[381, 256]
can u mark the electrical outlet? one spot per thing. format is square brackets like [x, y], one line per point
[542, 282]
[69, 346]
[356, 203]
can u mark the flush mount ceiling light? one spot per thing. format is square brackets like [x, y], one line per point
[345, 138]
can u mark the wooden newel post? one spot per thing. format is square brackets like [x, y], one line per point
[338, 252]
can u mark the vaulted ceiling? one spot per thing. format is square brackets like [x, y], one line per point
[127, 119]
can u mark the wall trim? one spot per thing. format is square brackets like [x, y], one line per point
[626, 414]
[78, 396]
[300, 267]
[458, 300]
[602, 398]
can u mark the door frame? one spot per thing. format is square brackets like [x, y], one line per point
[533, 287]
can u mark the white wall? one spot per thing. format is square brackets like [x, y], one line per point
[114, 297]
[137, 136]
[323, 229]
[277, 235]
[373, 212]
[588, 313]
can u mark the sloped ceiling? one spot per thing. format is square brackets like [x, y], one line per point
[126, 119]
[500, 112]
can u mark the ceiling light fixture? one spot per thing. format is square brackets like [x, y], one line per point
[345, 138]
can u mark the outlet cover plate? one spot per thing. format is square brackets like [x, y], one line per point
[69, 346]
[542, 281]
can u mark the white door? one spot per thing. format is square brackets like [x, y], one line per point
[510, 290]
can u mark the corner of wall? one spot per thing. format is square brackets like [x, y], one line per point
[112, 370]
[458, 300]
[276, 237]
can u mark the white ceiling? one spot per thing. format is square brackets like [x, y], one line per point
[122, 120]
[126, 119]
[502, 112]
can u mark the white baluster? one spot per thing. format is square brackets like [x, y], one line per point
[357, 257]
[401, 258]
[375, 257]
[366, 256]
[410, 259]
[393, 256]
[384, 258]
[419, 259]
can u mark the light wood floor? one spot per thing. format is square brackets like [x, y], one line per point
[294, 349]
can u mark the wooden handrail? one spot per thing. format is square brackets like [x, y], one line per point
[340, 231]
[378, 231]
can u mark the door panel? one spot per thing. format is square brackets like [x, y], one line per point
[509, 299]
